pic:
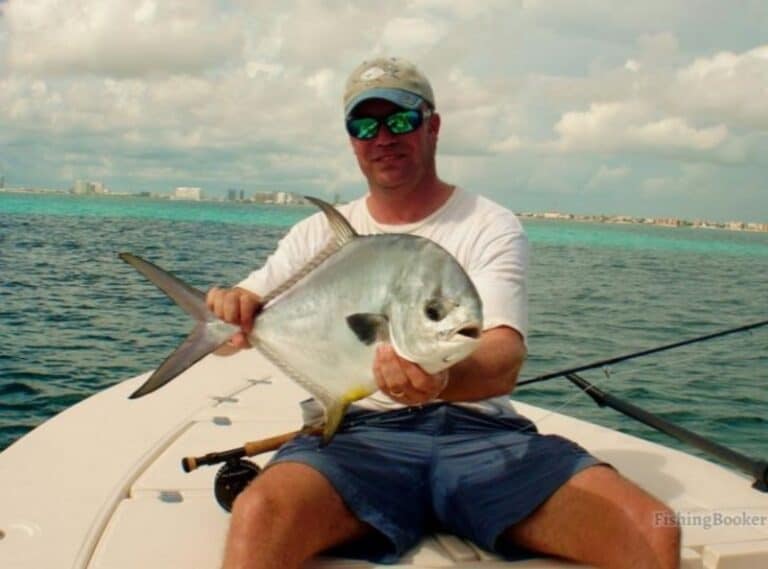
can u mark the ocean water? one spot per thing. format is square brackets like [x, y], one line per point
[75, 320]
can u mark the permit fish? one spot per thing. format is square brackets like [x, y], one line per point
[321, 327]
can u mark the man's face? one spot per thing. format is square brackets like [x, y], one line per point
[390, 161]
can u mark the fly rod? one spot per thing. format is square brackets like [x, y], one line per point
[190, 463]
[758, 469]
[646, 352]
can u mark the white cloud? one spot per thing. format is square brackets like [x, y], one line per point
[325, 84]
[632, 125]
[730, 85]
[533, 95]
[674, 132]
[509, 144]
[145, 12]
[255, 69]
[117, 38]
[407, 34]
[607, 176]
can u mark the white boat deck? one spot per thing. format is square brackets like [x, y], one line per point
[100, 486]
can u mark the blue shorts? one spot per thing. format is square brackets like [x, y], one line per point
[439, 467]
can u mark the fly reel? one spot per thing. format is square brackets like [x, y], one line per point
[231, 479]
[237, 473]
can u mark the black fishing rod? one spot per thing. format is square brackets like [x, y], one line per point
[646, 352]
[758, 469]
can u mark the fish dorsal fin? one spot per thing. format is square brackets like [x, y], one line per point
[310, 266]
[343, 233]
[342, 230]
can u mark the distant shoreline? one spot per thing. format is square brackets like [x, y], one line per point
[670, 222]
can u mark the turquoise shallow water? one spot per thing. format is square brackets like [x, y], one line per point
[74, 319]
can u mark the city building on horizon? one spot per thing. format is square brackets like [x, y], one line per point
[278, 198]
[88, 188]
[233, 195]
[187, 193]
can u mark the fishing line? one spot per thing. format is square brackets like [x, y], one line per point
[552, 412]
[610, 373]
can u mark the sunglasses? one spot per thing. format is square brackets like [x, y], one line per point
[400, 122]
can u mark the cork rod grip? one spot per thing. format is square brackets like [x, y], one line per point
[190, 463]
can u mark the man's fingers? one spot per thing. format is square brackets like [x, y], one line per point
[419, 380]
[400, 379]
[210, 298]
[231, 307]
[239, 340]
[249, 306]
[395, 381]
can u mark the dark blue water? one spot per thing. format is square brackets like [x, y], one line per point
[74, 319]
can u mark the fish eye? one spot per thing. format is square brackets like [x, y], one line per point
[434, 310]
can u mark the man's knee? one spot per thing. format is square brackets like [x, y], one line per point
[257, 507]
[624, 524]
[662, 533]
[654, 524]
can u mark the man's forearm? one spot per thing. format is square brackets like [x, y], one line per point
[491, 370]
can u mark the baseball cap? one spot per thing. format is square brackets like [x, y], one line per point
[391, 78]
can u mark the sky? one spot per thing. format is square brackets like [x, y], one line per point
[652, 108]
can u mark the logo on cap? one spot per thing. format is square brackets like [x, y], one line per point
[372, 74]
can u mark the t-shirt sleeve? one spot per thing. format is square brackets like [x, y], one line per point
[302, 242]
[499, 271]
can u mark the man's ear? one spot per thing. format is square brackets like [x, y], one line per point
[434, 124]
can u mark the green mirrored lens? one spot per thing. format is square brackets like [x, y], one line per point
[403, 122]
[363, 128]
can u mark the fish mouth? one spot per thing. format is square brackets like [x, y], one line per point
[472, 331]
[462, 333]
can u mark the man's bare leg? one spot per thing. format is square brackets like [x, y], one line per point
[601, 518]
[287, 515]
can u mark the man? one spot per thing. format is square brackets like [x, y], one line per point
[444, 450]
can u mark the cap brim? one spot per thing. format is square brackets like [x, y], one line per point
[401, 98]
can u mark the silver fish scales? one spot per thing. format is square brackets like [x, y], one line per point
[321, 326]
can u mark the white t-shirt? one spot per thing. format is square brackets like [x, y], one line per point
[486, 239]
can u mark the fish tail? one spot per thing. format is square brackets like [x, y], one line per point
[208, 334]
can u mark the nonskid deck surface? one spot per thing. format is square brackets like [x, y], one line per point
[101, 487]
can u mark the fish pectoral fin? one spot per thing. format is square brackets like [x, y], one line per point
[369, 328]
[334, 413]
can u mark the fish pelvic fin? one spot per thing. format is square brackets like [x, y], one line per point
[208, 334]
[334, 413]
[335, 409]
[342, 230]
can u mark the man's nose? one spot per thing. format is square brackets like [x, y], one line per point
[384, 137]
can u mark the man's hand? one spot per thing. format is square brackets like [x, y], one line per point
[236, 306]
[404, 381]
